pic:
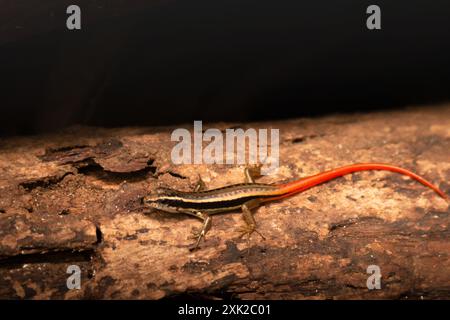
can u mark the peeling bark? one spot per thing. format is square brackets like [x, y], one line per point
[74, 198]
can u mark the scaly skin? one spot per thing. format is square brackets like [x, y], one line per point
[249, 195]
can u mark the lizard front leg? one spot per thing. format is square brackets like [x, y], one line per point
[200, 185]
[206, 226]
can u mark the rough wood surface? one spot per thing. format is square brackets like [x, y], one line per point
[73, 198]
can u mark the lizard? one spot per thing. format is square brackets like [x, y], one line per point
[247, 196]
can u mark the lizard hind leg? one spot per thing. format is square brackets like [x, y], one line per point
[199, 234]
[250, 223]
[252, 172]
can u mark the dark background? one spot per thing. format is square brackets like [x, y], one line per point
[170, 62]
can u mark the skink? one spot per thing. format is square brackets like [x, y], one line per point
[249, 195]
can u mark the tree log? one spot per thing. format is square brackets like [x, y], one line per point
[73, 198]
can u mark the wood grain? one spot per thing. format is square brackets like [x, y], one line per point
[74, 198]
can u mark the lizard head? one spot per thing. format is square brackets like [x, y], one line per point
[160, 199]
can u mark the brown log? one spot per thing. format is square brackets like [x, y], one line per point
[73, 198]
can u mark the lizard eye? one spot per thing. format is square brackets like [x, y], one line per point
[156, 195]
[149, 199]
[160, 191]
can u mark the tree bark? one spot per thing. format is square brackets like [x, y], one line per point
[73, 198]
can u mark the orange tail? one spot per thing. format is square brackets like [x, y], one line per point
[291, 188]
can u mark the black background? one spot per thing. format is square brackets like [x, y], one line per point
[171, 62]
[169, 309]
